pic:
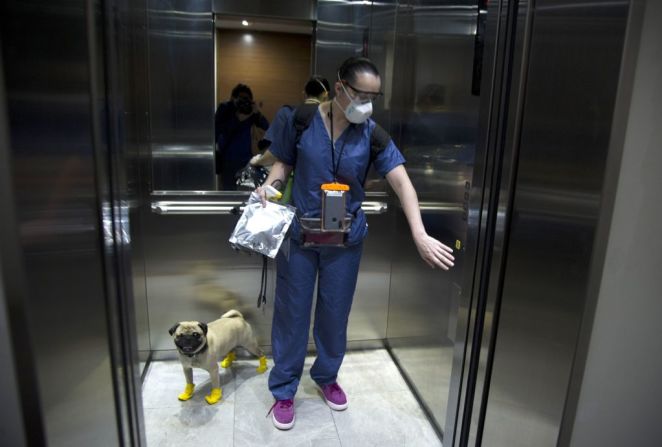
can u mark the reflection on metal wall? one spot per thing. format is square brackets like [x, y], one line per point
[50, 71]
[291, 9]
[563, 142]
[620, 397]
[381, 50]
[132, 100]
[194, 274]
[354, 28]
[17, 373]
[12, 424]
[342, 31]
[435, 118]
[181, 92]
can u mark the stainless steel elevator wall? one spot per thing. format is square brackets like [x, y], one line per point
[52, 106]
[192, 273]
[435, 117]
[291, 9]
[197, 275]
[132, 83]
[621, 395]
[181, 94]
[342, 31]
[12, 290]
[572, 76]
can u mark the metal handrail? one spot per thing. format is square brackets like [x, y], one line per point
[186, 207]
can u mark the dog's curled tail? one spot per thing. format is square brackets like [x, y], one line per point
[232, 313]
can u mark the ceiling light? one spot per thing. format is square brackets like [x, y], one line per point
[244, 22]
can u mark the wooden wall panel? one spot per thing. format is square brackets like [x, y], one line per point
[274, 65]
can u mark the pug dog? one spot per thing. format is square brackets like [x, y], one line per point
[203, 345]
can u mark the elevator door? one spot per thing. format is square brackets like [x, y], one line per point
[544, 137]
[435, 116]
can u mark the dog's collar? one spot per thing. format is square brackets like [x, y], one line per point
[200, 351]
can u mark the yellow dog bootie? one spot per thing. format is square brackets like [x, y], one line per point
[227, 361]
[214, 396]
[188, 392]
[263, 365]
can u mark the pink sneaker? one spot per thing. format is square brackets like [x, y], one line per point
[283, 414]
[334, 396]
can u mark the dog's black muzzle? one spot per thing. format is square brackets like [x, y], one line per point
[190, 345]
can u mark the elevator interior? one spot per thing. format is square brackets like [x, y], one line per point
[430, 108]
[112, 165]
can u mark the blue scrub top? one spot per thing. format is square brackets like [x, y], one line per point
[313, 163]
[278, 124]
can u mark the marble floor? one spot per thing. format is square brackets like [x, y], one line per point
[382, 410]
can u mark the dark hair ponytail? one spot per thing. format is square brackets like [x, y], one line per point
[350, 69]
[316, 86]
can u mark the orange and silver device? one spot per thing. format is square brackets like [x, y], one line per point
[334, 206]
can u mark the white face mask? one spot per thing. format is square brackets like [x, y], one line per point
[357, 112]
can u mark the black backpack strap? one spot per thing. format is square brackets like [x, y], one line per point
[379, 140]
[303, 115]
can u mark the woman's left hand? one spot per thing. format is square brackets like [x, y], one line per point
[433, 252]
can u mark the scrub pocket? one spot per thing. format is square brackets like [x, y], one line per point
[359, 229]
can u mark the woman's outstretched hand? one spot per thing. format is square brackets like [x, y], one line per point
[433, 252]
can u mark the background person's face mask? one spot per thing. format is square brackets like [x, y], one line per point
[356, 112]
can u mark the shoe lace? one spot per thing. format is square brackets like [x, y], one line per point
[282, 404]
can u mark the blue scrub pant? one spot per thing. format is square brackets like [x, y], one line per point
[338, 270]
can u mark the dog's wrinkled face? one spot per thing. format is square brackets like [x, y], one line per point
[190, 336]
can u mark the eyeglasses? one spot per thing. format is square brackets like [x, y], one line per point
[363, 95]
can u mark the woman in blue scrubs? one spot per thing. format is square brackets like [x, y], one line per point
[343, 126]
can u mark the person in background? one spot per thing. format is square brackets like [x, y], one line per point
[236, 124]
[316, 91]
[336, 147]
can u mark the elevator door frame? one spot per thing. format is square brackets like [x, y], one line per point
[508, 58]
[488, 214]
